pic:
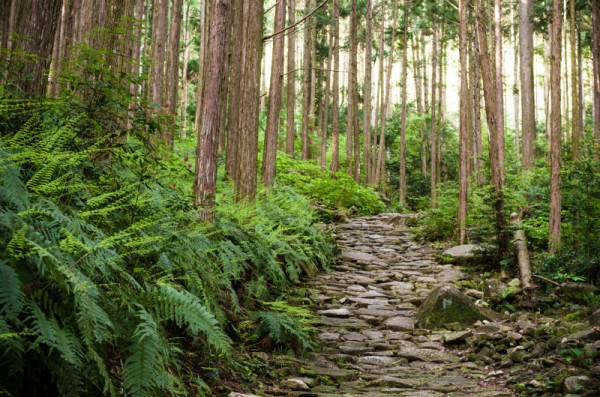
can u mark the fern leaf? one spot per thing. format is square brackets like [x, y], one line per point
[11, 296]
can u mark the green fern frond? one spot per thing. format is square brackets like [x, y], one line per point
[42, 176]
[144, 365]
[11, 296]
[17, 244]
[186, 309]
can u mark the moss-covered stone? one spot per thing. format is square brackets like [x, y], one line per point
[446, 305]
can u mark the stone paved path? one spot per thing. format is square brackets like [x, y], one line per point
[366, 316]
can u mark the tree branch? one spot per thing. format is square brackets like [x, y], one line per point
[265, 38]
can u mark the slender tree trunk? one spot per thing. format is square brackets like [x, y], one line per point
[420, 109]
[496, 140]
[353, 91]
[235, 91]
[172, 73]
[499, 83]
[184, 74]
[245, 187]
[515, 86]
[275, 98]
[157, 52]
[204, 38]
[555, 130]
[527, 84]
[477, 134]
[214, 103]
[464, 109]
[378, 159]
[367, 92]
[596, 67]
[335, 108]
[306, 95]
[432, 137]
[576, 112]
[424, 73]
[325, 101]
[402, 182]
[291, 81]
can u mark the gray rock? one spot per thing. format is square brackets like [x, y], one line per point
[293, 384]
[461, 251]
[427, 355]
[377, 360]
[358, 256]
[577, 292]
[400, 323]
[341, 312]
[446, 305]
[451, 276]
[348, 323]
[595, 318]
[459, 337]
[338, 374]
[496, 291]
[576, 384]
[588, 335]
[235, 394]
[391, 381]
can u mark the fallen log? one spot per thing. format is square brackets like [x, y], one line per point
[524, 262]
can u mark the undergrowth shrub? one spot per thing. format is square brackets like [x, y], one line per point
[109, 283]
[335, 191]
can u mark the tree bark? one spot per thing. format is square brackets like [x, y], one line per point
[555, 129]
[402, 182]
[235, 92]
[575, 108]
[172, 77]
[245, 186]
[353, 91]
[306, 78]
[214, 103]
[367, 92]
[496, 138]
[464, 109]
[596, 67]
[335, 109]
[477, 134]
[499, 82]
[515, 86]
[275, 98]
[291, 82]
[184, 74]
[524, 263]
[156, 77]
[527, 82]
[325, 104]
[432, 137]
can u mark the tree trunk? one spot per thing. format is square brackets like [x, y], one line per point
[477, 134]
[172, 77]
[379, 150]
[432, 137]
[306, 73]
[204, 39]
[291, 81]
[596, 67]
[214, 103]
[515, 86]
[527, 83]
[353, 91]
[367, 92]
[245, 187]
[325, 104]
[402, 182]
[524, 262]
[335, 106]
[275, 98]
[496, 139]
[464, 109]
[235, 92]
[184, 77]
[499, 82]
[156, 75]
[576, 111]
[555, 130]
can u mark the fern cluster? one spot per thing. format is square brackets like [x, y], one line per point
[108, 280]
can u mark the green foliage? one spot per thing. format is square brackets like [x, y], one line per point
[335, 191]
[108, 275]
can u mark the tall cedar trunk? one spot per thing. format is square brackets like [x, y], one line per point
[527, 83]
[313, 91]
[156, 76]
[325, 104]
[235, 94]
[184, 73]
[275, 98]
[440, 105]
[245, 187]
[31, 29]
[432, 137]
[424, 74]
[491, 110]
[555, 129]
[367, 92]
[204, 41]
[402, 182]
[499, 82]
[335, 108]
[291, 81]
[477, 134]
[515, 86]
[420, 109]
[353, 91]
[374, 156]
[596, 63]
[378, 160]
[464, 109]
[214, 104]
[575, 108]
[172, 77]
[547, 45]
[306, 75]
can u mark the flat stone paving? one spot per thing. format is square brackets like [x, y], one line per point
[366, 321]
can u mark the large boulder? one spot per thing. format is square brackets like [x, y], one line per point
[577, 292]
[496, 291]
[447, 305]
